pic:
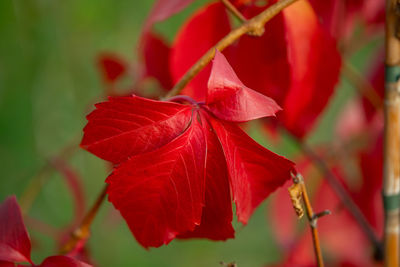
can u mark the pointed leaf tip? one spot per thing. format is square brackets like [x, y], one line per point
[15, 245]
[229, 99]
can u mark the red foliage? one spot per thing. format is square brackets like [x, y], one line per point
[165, 181]
[111, 66]
[15, 244]
[193, 40]
[288, 63]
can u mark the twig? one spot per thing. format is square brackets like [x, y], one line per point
[83, 231]
[255, 26]
[391, 157]
[298, 191]
[361, 84]
[344, 197]
[340, 192]
[234, 10]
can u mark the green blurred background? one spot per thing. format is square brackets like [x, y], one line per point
[48, 82]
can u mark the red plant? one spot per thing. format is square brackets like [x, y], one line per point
[175, 162]
[15, 244]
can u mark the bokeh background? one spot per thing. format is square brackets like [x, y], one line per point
[49, 80]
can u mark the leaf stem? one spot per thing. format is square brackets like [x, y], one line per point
[234, 10]
[82, 232]
[312, 218]
[254, 26]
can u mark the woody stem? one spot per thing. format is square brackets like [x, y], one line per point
[312, 218]
[342, 194]
[82, 232]
[234, 10]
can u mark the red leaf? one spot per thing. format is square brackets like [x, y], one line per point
[229, 99]
[261, 63]
[254, 171]
[217, 213]
[161, 193]
[163, 9]
[315, 64]
[197, 36]
[6, 264]
[371, 164]
[126, 126]
[175, 162]
[156, 58]
[15, 245]
[111, 66]
[62, 261]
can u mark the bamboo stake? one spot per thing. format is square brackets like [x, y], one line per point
[391, 158]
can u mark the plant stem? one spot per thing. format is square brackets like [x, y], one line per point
[340, 192]
[391, 157]
[364, 87]
[254, 26]
[234, 10]
[312, 218]
[82, 232]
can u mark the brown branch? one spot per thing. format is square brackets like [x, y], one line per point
[364, 87]
[234, 10]
[82, 232]
[299, 191]
[391, 157]
[254, 26]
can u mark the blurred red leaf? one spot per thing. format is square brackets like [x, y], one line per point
[62, 261]
[167, 168]
[163, 9]
[111, 66]
[288, 63]
[315, 65]
[369, 197]
[194, 39]
[156, 55]
[15, 244]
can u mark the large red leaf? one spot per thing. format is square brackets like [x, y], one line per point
[62, 261]
[15, 245]
[198, 35]
[161, 193]
[315, 64]
[125, 126]
[217, 213]
[229, 99]
[254, 171]
[179, 163]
